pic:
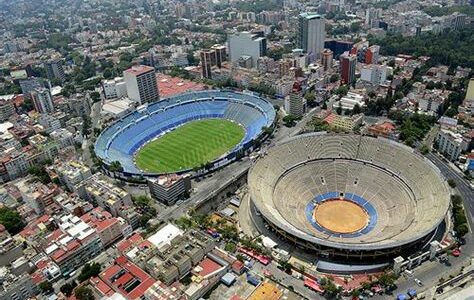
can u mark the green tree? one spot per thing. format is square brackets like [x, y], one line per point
[68, 288]
[11, 220]
[95, 96]
[310, 99]
[40, 173]
[356, 110]
[115, 166]
[424, 149]
[84, 293]
[339, 109]
[452, 183]
[285, 265]
[334, 78]
[387, 279]
[46, 287]
[289, 120]
[88, 271]
[230, 247]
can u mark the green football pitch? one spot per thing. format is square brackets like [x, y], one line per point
[189, 146]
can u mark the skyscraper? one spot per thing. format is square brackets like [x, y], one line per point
[247, 44]
[208, 59]
[326, 59]
[54, 70]
[214, 56]
[348, 67]
[42, 100]
[141, 84]
[311, 34]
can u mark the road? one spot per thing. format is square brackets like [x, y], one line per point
[462, 185]
[95, 116]
[432, 271]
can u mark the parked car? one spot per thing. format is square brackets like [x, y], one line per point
[418, 281]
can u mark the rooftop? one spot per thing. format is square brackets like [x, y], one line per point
[139, 70]
[169, 86]
[267, 291]
[165, 235]
[126, 278]
[310, 15]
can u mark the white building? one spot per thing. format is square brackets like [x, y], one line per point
[72, 173]
[376, 74]
[42, 100]
[349, 101]
[451, 144]
[141, 83]
[295, 105]
[63, 137]
[246, 44]
[311, 34]
[114, 88]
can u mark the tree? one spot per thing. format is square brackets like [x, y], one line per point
[387, 279]
[68, 288]
[334, 78]
[285, 265]
[40, 173]
[11, 220]
[339, 109]
[46, 287]
[95, 96]
[356, 110]
[366, 285]
[424, 149]
[342, 90]
[289, 120]
[84, 293]
[310, 99]
[115, 166]
[452, 183]
[331, 289]
[88, 271]
[355, 293]
[230, 247]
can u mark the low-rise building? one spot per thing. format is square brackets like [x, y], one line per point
[344, 123]
[110, 229]
[16, 287]
[73, 244]
[123, 277]
[63, 137]
[349, 101]
[99, 189]
[72, 173]
[114, 88]
[177, 253]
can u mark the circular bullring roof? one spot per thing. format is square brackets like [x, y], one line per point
[122, 139]
[387, 194]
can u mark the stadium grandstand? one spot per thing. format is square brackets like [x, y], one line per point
[349, 196]
[121, 140]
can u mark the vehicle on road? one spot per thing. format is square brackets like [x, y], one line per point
[418, 281]
[408, 273]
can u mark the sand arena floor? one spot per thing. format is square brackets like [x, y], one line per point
[340, 216]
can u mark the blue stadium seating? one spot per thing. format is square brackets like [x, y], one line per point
[123, 138]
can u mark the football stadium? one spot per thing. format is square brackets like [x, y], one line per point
[185, 132]
[349, 196]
